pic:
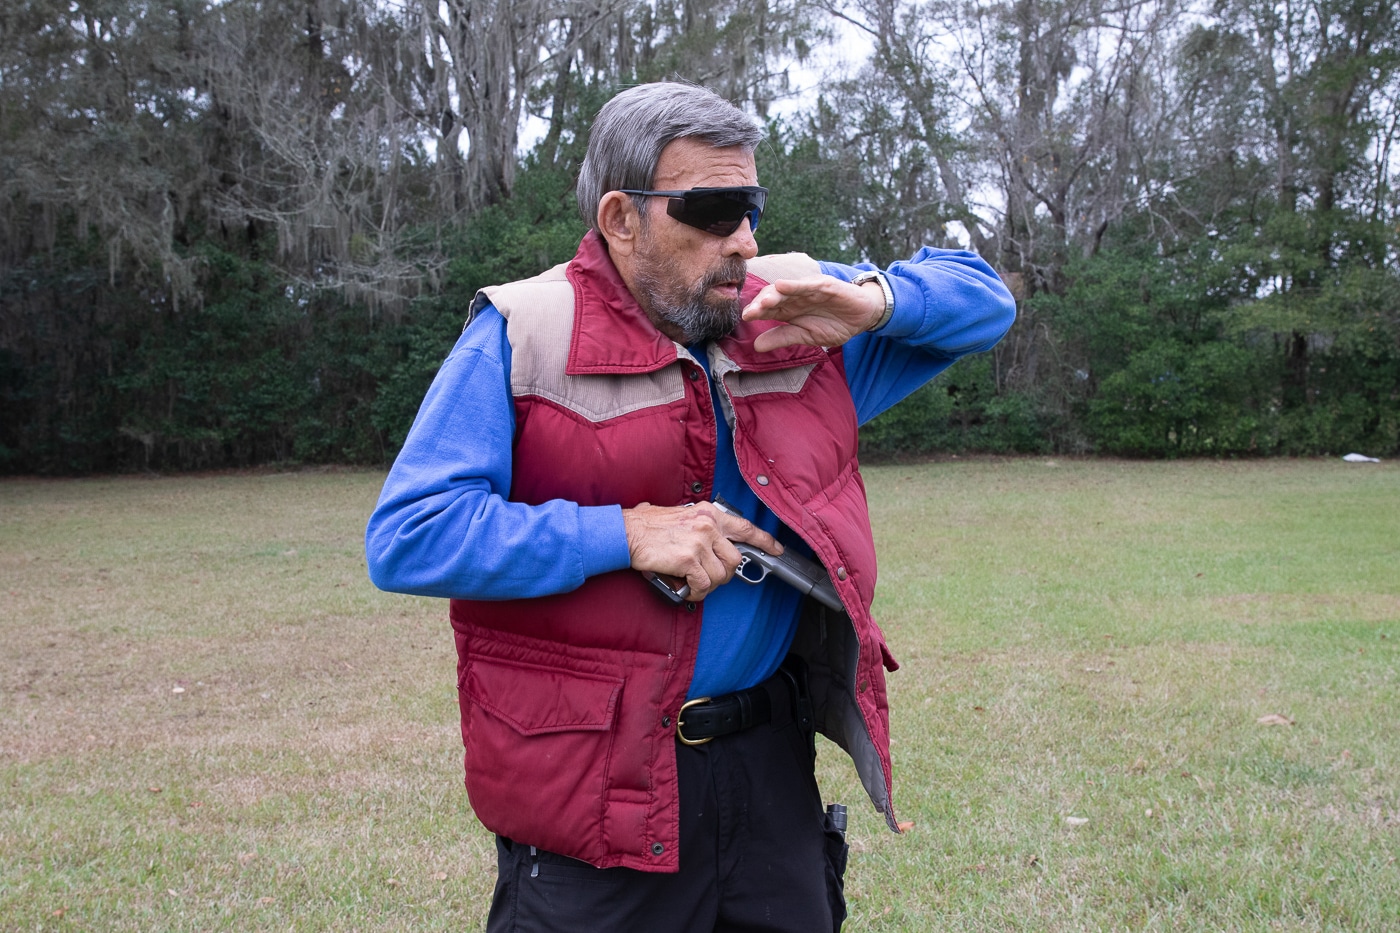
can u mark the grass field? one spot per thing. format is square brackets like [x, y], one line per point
[209, 720]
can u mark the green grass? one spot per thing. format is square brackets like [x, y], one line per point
[209, 720]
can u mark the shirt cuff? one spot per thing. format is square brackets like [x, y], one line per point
[908, 317]
[604, 539]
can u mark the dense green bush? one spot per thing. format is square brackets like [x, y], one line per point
[1250, 346]
[959, 412]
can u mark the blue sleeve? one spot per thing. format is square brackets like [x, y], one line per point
[947, 303]
[444, 526]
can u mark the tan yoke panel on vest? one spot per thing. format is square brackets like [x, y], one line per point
[742, 384]
[539, 315]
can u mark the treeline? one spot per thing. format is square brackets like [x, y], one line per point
[247, 231]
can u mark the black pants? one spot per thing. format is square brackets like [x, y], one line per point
[756, 853]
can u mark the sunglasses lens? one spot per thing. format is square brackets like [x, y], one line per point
[719, 212]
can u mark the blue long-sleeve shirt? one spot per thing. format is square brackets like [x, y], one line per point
[444, 525]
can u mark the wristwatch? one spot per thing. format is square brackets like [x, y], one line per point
[878, 276]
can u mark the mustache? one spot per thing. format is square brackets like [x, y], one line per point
[730, 270]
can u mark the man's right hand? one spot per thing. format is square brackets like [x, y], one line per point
[692, 542]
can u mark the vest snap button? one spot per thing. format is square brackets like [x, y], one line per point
[762, 479]
[665, 722]
[840, 573]
[690, 606]
[696, 486]
[694, 374]
[657, 848]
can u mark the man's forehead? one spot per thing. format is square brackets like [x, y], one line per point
[693, 163]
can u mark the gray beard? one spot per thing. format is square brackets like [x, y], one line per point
[692, 311]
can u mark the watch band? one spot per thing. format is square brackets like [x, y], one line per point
[877, 276]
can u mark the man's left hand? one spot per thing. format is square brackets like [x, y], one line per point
[821, 311]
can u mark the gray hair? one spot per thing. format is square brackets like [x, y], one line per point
[632, 129]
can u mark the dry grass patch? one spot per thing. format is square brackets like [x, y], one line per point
[1274, 608]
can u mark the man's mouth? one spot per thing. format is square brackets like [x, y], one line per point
[725, 282]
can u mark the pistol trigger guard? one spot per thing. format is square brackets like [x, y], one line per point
[745, 562]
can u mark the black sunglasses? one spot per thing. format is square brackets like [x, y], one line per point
[715, 210]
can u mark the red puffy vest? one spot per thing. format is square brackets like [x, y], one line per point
[569, 702]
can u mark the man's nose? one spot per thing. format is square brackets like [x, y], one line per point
[741, 242]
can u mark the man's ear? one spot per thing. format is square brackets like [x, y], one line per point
[619, 223]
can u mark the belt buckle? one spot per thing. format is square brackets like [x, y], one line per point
[681, 735]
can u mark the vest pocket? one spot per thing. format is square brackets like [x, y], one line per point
[538, 745]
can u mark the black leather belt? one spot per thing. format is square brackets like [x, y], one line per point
[703, 718]
[781, 698]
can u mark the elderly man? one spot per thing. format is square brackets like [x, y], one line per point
[639, 735]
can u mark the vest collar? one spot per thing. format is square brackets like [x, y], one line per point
[612, 334]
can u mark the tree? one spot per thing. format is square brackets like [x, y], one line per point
[1322, 78]
[100, 106]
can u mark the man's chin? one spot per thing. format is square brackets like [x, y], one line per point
[705, 313]
[716, 323]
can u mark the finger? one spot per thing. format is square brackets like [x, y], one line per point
[737, 528]
[784, 295]
[767, 297]
[729, 555]
[699, 584]
[719, 570]
[707, 575]
[790, 335]
[780, 297]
